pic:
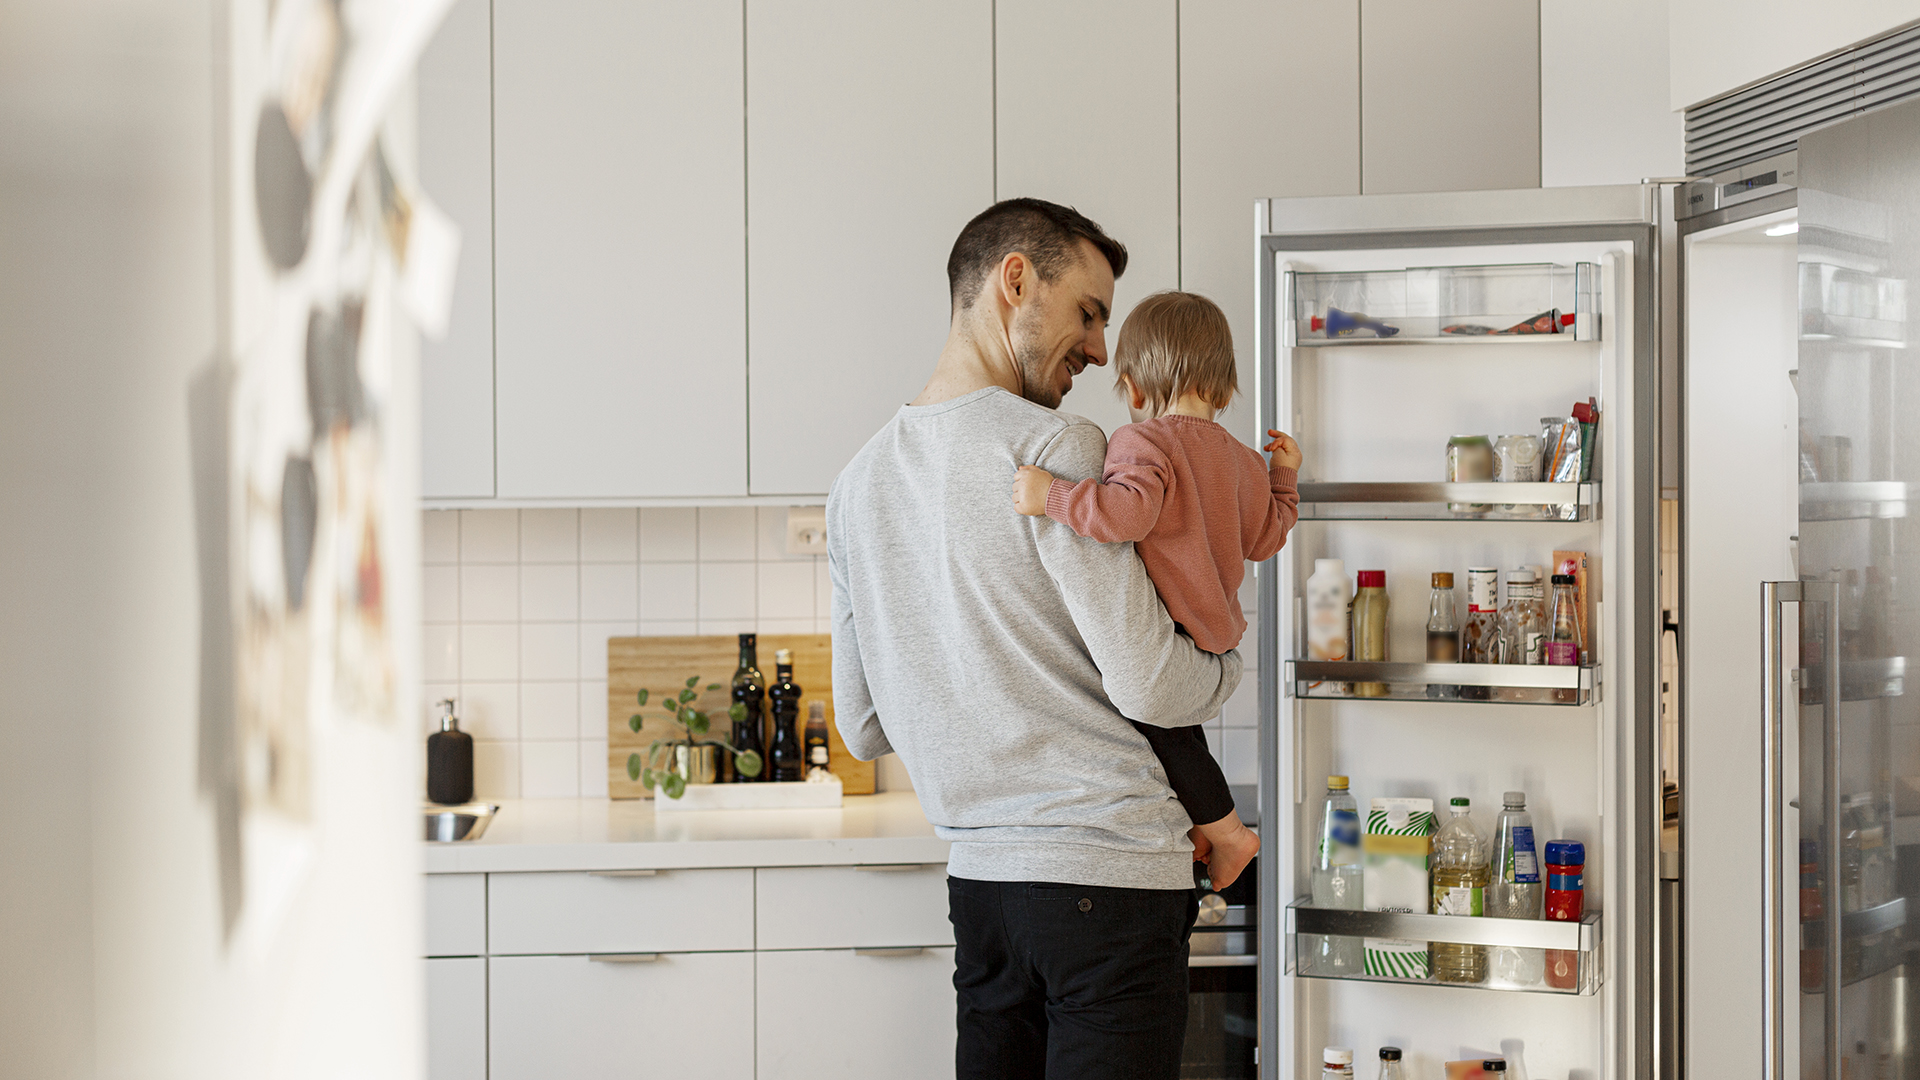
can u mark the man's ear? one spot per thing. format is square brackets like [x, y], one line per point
[1014, 278]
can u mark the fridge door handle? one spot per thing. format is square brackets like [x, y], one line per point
[1773, 999]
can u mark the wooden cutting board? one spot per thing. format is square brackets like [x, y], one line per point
[663, 665]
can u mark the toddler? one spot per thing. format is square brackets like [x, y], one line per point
[1197, 503]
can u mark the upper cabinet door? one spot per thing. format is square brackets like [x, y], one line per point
[1088, 104]
[869, 145]
[619, 178]
[456, 170]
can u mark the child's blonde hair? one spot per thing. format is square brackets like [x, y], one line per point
[1176, 343]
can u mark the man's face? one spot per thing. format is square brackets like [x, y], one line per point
[1063, 328]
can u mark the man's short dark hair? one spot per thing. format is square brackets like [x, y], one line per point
[1048, 234]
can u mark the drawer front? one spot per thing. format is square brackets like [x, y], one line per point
[456, 914]
[841, 1015]
[852, 907]
[669, 911]
[675, 1015]
[457, 1019]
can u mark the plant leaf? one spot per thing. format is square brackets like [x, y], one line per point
[693, 681]
[687, 695]
[643, 696]
[738, 711]
[633, 767]
[648, 778]
[748, 764]
[700, 724]
[676, 785]
[634, 721]
[715, 686]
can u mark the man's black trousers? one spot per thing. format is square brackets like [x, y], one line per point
[1069, 982]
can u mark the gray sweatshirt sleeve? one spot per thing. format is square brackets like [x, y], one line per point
[853, 711]
[1150, 671]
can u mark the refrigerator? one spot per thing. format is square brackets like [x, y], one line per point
[1387, 325]
[1800, 766]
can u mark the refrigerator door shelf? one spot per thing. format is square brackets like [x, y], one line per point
[1519, 948]
[1860, 500]
[1504, 303]
[1860, 680]
[1392, 501]
[1508, 684]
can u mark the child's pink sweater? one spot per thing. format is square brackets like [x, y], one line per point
[1197, 503]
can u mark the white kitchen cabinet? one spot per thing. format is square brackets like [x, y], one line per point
[457, 1019]
[620, 240]
[1096, 126]
[869, 145]
[620, 912]
[456, 170]
[679, 1014]
[854, 1014]
[833, 907]
[1449, 95]
[456, 914]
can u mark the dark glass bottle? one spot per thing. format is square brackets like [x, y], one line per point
[749, 689]
[817, 750]
[784, 694]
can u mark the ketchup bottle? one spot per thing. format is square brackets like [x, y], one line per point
[1566, 902]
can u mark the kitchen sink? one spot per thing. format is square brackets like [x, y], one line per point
[468, 821]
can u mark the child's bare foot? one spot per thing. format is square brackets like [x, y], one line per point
[1233, 847]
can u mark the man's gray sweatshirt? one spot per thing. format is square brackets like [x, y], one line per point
[1000, 656]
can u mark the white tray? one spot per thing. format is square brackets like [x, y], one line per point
[798, 795]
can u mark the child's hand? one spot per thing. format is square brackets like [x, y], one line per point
[1286, 452]
[1030, 490]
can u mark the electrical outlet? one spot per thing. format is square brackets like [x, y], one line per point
[806, 530]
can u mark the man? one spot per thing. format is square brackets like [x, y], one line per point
[1001, 656]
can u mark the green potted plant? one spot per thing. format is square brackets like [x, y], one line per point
[681, 767]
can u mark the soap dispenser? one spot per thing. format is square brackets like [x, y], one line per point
[449, 760]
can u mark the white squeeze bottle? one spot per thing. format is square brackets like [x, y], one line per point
[1336, 882]
[1327, 598]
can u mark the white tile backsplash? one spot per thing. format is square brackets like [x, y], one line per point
[549, 651]
[669, 591]
[549, 536]
[728, 533]
[550, 710]
[550, 592]
[519, 605]
[609, 591]
[489, 593]
[727, 591]
[669, 534]
[489, 536]
[609, 535]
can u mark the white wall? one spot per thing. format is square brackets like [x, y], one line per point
[115, 959]
[1722, 45]
[1604, 117]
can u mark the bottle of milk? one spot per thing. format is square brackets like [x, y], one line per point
[1328, 598]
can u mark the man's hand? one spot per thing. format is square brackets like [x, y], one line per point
[1030, 490]
[1285, 451]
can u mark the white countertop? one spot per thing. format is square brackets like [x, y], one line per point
[625, 834]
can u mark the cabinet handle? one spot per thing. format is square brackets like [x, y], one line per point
[889, 952]
[624, 957]
[623, 873]
[891, 868]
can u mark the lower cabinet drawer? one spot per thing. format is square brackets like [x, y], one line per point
[846, 907]
[620, 911]
[674, 1014]
[854, 1014]
[457, 1019]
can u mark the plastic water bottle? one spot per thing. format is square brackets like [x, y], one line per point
[1336, 883]
[1516, 891]
[1459, 888]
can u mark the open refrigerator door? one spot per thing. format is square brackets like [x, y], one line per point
[1470, 378]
